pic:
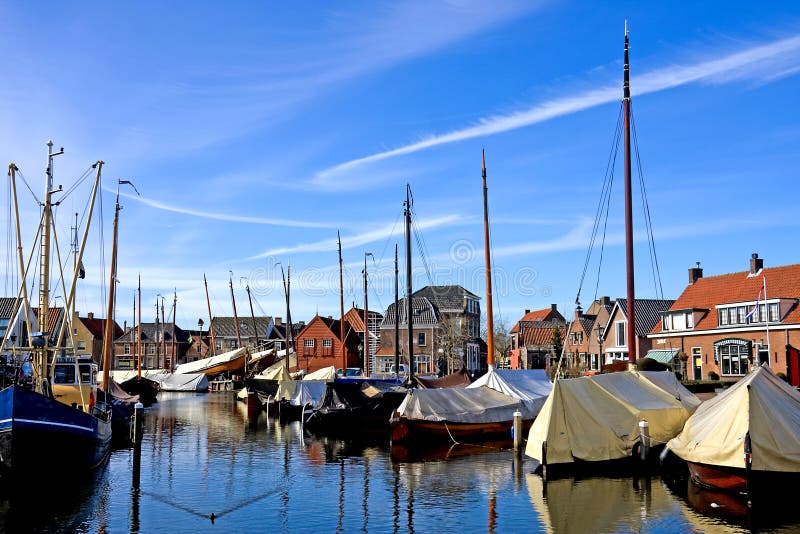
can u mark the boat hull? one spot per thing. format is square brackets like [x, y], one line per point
[734, 479]
[416, 431]
[40, 434]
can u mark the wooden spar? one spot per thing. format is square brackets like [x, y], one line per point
[409, 305]
[210, 321]
[163, 335]
[236, 323]
[286, 282]
[12, 169]
[40, 362]
[341, 305]
[133, 329]
[396, 316]
[487, 254]
[139, 331]
[626, 116]
[108, 339]
[252, 315]
[174, 312]
[366, 318]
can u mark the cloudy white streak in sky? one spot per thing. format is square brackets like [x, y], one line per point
[229, 217]
[357, 240]
[739, 65]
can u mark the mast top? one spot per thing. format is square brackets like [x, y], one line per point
[626, 83]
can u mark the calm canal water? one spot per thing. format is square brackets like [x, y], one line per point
[201, 456]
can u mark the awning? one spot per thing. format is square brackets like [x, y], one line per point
[662, 355]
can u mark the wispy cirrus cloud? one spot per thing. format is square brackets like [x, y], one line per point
[766, 62]
[227, 216]
[356, 240]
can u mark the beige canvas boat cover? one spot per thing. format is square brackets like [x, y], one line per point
[209, 363]
[760, 403]
[462, 405]
[326, 373]
[595, 418]
[670, 383]
[277, 371]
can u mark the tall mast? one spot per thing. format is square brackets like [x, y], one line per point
[210, 321]
[626, 116]
[139, 330]
[163, 335]
[174, 312]
[252, 315]
[12, 170]
[157, 340]
[108, 340]
[40, 369]
[396, 316]
[366, 318]
[341, 305]
[133, 329]
[235, 316]
[286, 281]
[409, 306]
[487, 254]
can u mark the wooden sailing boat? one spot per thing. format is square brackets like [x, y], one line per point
[40, 433]
[146, 388]
[599, 421]
[483, 411]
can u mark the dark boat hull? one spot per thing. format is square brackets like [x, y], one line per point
[415, 431]
[146, 389]
[42, 435]
[734, 479]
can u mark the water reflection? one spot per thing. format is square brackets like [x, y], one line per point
[206, 454]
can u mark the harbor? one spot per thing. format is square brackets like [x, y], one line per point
[201, 455]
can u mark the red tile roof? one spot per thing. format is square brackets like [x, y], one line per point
[542, 333]
[97, 327]
[707, 292]
[536, 315]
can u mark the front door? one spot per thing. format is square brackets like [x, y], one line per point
[697, 361]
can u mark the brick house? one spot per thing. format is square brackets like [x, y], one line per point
[583, 344]
[446, 332]
[89, 333]
[526, 350]
[354, 326]
[159, 349]
[16, 337]
[615, 335]
[319, 345]
[225, 332]
[726, 324]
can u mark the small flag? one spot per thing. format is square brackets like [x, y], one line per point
[754, 309]
[81, 271]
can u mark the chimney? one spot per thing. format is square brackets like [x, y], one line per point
[278, 321]
[554, 307]
[90, 315]
[756, 263]
[695, 274]
[527, 312]
[605, 301]
[578, 313]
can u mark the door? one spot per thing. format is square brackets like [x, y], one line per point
[697, 362]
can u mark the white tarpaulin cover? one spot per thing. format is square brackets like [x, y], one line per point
[226, 358]
[326, 373]
[532, 386]
[185, 382]
[595, 418]
[157, 375]
[462, 405]
[302, 392]
[760, 403]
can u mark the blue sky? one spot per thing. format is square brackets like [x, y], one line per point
[255, 131]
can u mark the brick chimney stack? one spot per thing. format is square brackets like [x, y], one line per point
[278, 321]
[527, 312]
[554, 307]
[756, 263]
[695, 274]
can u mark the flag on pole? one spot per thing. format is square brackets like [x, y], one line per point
[754, 309]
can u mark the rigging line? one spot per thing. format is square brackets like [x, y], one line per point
[24, 181]
[391, 234]
[9, 277]
[421, 248]
[648, 218]
[75, 185]
[605, 190]
[603, 241]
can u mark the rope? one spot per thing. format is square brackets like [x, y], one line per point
[451, 435]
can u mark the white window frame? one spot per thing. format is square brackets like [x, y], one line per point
[421, 339]
[326, 343]
[621, 326]
[308, 343]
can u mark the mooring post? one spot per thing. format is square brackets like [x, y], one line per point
[748, 465]
[517, 431]
[138, 426]
[644, 440]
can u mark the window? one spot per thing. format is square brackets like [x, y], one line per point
[81, 345]
[689, 320]
[218, 344]
[773, 312]
[233, 343]
[473, 357]
[421, 339]
[422, 363]
[127, 349]
[741, 311]
[151, 349]
[3, 327]
[734, 358]
[622, 340]
[666, 323]
[326, 343]
[722, 315]
[64, 374]
[308, 343]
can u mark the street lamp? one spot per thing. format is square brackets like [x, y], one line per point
[600, 342]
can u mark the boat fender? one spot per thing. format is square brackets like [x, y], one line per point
[91, 401]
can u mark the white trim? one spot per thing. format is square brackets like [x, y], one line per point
[747, 328]
[46, 423]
